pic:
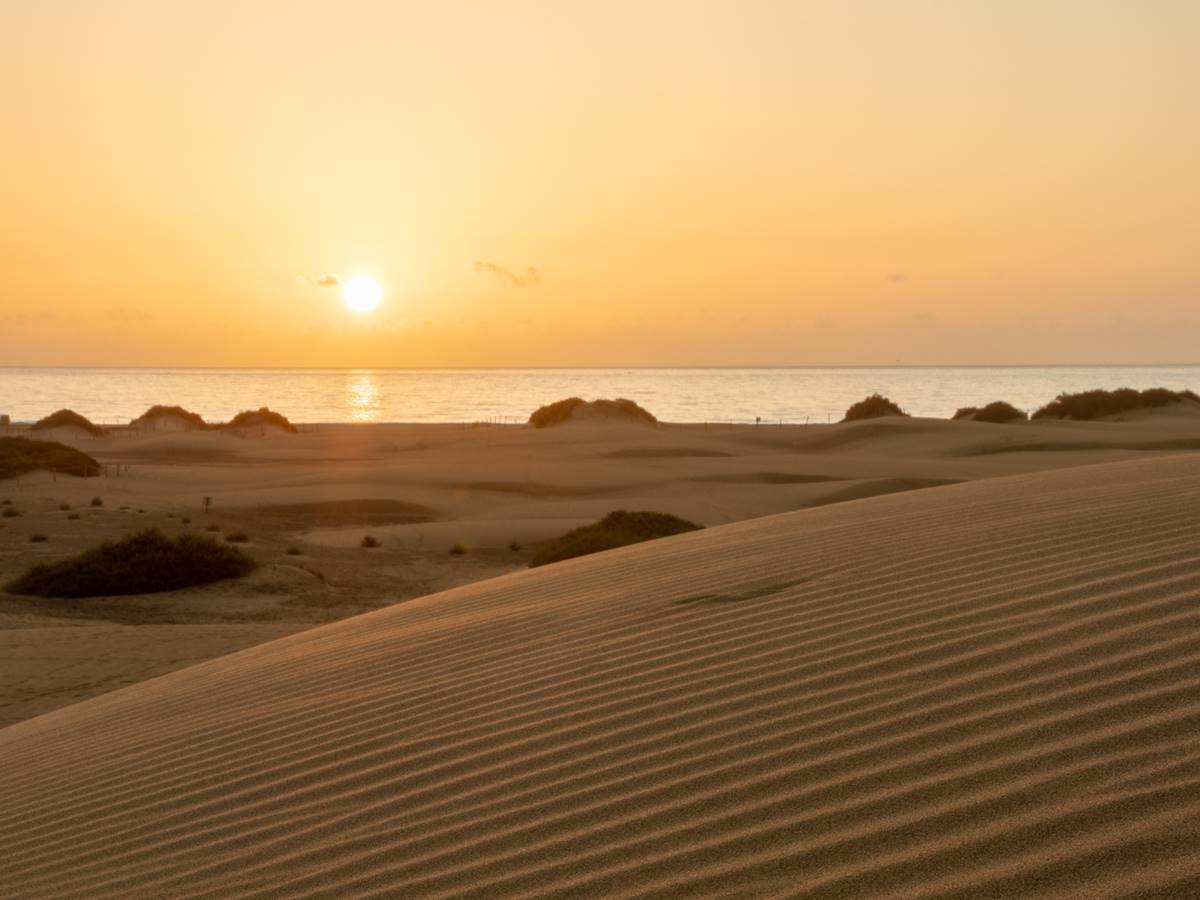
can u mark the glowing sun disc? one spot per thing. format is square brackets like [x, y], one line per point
[361, 294]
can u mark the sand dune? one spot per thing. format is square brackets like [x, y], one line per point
[988, 689]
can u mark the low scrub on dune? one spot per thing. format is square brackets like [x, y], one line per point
[618, 529]
[872, 407]
[1095, 404]
[19, 455]
[998, 413]
[253, 418]
[144, 563]
[195, 420]
[68, 418]
[572, 407]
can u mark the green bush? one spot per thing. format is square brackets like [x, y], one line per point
[618, 529]
[458, 550]
[19, 456]
[872, 407]
[144, 563]
[193, 419]
[261, 416]
[1098, 403]
[65, 418]
[556, 413]
[997, 413]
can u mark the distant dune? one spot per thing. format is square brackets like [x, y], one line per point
[981, 690]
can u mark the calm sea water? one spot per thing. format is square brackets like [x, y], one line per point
[467, 395]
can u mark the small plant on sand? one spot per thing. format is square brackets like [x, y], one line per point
[194, 420]
[514, 546]
[10, 512]
[294, 551]
[212, 528]
[997, 413]
[237, 537]
[872, 407]
[38, 538]
[143, 563]
[368, 542]
[186, 520]
[19, 456]
[618, 529]
[73, 516]
[65, 507]
[97, 501]
[561, 411]
[458, 550]
[67, 418]
[261, 416]
[1095, 404]
[5, 502]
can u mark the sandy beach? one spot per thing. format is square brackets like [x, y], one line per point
[983, 688]
[422, 489]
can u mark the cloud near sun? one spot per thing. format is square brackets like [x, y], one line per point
[508, 277]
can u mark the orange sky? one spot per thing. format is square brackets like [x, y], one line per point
[695, 183]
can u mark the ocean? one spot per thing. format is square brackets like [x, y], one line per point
[791, 395]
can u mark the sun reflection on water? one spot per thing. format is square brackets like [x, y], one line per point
[362, 391]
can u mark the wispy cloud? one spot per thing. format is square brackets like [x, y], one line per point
[507, 277]
[325, 279]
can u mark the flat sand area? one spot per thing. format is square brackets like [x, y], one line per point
[422, 489]
[989, 689]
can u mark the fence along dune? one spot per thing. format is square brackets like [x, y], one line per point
[984, 690]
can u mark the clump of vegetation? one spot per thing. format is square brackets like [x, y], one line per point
[368, 542]
[1095, 404]
[212, 527]
[10, 512]
[186, 520]
[68, 418]
[38, 538]
[617, 529]
[195, 420]
[237, 537]
[19, 456]
[73, 516]
[514, 546]
[458, 550]
[294, 551]
[262, 416]
[872, 407]
[64, 507]
[144, 563]
[563, 410]
[96, 501]
[998, 413]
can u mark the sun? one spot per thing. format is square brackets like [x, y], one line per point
[361, 294]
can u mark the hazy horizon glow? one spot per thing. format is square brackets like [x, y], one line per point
[621, 184]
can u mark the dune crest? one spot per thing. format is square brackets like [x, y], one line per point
[988, 689]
